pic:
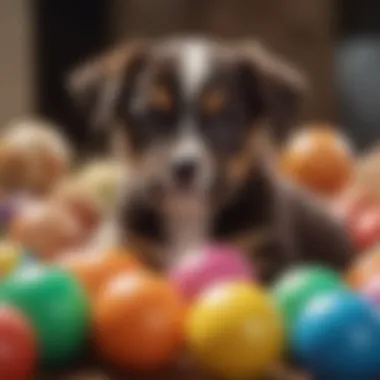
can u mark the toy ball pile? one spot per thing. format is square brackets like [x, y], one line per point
[62, 298]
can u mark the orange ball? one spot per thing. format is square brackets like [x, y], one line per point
[319, 159]
[138, 320]
[46, 229]
[94, 270]
[366, 267]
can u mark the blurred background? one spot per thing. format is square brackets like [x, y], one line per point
[335, 44]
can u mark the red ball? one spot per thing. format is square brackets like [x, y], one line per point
[365, 229]
[17, 346]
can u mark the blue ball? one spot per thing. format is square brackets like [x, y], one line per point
[338, 337]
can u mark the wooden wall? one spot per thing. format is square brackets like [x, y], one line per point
[16, 61]
[300, 30]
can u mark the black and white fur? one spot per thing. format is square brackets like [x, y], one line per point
[201, 173]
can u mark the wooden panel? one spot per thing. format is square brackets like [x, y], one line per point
[299, 30]
[16, 65]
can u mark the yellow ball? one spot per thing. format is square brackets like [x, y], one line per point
[235, 331]
[9, 257]
[101, 181]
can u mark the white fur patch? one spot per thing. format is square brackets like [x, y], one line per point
[195, 65]
[188, 146]
[191, 147]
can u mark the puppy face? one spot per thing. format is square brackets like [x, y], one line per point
[192, 116]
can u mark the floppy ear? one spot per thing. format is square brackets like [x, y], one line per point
[95, 85]
[280, 86]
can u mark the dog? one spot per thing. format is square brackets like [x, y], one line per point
[197, 122]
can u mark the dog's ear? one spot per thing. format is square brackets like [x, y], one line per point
[95, 85]
[275, 83]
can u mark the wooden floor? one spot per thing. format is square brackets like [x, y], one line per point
[180, 373]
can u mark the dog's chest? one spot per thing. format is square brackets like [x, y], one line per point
[161, 240]
[249, 223]
[185, 235]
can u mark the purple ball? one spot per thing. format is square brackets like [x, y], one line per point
[213, 264]
[11, 206]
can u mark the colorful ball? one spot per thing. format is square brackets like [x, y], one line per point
[10, 207]
[72, 195]
[367, 172]
[18, 346]
[34, 156]
[364, 268]
[371, 290]
[138, 322]
[235, 331]
[211, 265]
[365, 229]
[6, 214]
[10, 257]
[296, 288]
[101, 181]
[319, 158]
[338, 337]
[55, 305]
[15, 167]
[93, 269]
[353, 203]
[28, 259]
[47, 229]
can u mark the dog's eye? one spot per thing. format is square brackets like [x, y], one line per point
[160, 98]
[213, 101]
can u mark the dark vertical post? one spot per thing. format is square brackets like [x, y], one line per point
[357, 75]
[66, 32]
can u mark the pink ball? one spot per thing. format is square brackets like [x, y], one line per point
[207, 267]
[371, 290]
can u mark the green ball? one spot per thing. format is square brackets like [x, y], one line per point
[56, 306]
[293, 291]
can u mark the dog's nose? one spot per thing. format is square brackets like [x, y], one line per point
[184, 172]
